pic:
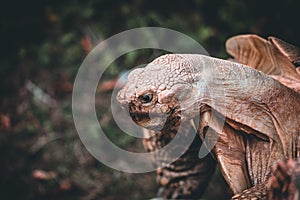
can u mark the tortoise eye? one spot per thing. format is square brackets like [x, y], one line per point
[146, 98]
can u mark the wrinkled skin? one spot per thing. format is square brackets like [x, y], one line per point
[281, 61]
[187, 177]
[258, 130]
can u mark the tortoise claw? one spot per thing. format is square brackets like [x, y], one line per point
[254, 193]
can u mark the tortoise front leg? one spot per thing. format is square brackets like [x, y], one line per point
[188, 176]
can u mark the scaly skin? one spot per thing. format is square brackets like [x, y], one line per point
[183, 85]
[187, 177]
[280, 60]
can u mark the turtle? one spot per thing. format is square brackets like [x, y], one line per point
[249, 111]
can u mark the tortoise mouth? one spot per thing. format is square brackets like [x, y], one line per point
[153, 121]
[139, 118]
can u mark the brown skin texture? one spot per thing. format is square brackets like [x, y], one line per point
[281, 60]
[256, 122]
[187, 177]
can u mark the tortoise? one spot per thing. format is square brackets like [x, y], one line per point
[257, 94]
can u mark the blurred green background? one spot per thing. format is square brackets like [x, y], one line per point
[44, 43]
